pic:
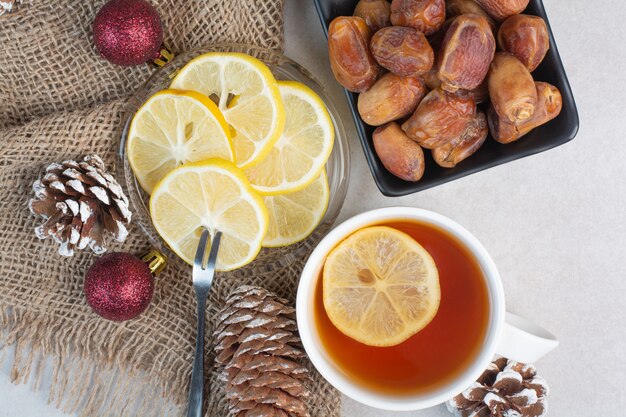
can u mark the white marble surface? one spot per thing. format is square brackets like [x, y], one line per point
[554, 223]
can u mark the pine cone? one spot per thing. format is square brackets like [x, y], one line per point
[257, 344]
[505, 389]
[81, 204]
[8, 6]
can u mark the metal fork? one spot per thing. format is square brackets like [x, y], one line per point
[202, 280]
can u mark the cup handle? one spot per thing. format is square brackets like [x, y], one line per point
[524, 341]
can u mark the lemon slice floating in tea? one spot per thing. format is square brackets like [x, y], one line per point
[293, 217]
[213, 194]
[173, 128]
[380, 286]
[300, 154]
[247, 95]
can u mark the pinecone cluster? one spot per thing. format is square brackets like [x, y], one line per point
[257, 345]
[82, 205]
[506, 389]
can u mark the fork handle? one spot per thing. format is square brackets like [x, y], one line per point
[194, 409]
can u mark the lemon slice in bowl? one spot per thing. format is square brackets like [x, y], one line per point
[293, 217]
[171, 129]
[380, 286]
[213, 194]
[300, 154]
[247, 95]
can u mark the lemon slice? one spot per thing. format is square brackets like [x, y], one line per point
[304, 147]
[248, 97]
[171, 129]
[293, 217]
[380, 286]
[213, 194]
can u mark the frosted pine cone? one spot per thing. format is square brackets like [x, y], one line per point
[257, 344]
[8, 6]
[81, 204]
[505, 389]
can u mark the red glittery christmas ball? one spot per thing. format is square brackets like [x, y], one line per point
[119, 286]
[128, 32]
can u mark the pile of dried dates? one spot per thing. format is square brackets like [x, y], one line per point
[422, 67]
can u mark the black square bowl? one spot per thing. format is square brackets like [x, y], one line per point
[557, 132]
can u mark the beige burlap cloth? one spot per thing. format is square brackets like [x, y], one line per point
[48, 62]
[101, 368]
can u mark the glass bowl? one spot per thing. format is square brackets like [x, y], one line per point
[283, 68]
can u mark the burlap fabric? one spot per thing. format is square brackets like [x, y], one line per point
[101, 368]
[48, 62]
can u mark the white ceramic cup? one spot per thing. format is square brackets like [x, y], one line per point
[507, 335]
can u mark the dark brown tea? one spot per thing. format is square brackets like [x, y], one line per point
[442, 350]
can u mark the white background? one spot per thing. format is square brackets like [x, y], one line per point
[555, 223]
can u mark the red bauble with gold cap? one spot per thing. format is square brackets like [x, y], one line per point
[119, 286]
[128, 32]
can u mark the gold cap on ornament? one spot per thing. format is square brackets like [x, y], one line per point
[155, 260]
[164, 56]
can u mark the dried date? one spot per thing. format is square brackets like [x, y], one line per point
[511, 88]
[427, 16]
[376, 13]
[350, 57]
[458, 7]
[440, 118]
[501, 9]
[392, 97]
[549, 106]
[402, 50]
[400, 155]
[466, 52]
[526, 37]
[449, 155]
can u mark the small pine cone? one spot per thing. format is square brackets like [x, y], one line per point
[257, 345]
[505, 389]
[81, 204]
[8, 6]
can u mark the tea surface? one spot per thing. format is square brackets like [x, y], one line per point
[439, 352]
